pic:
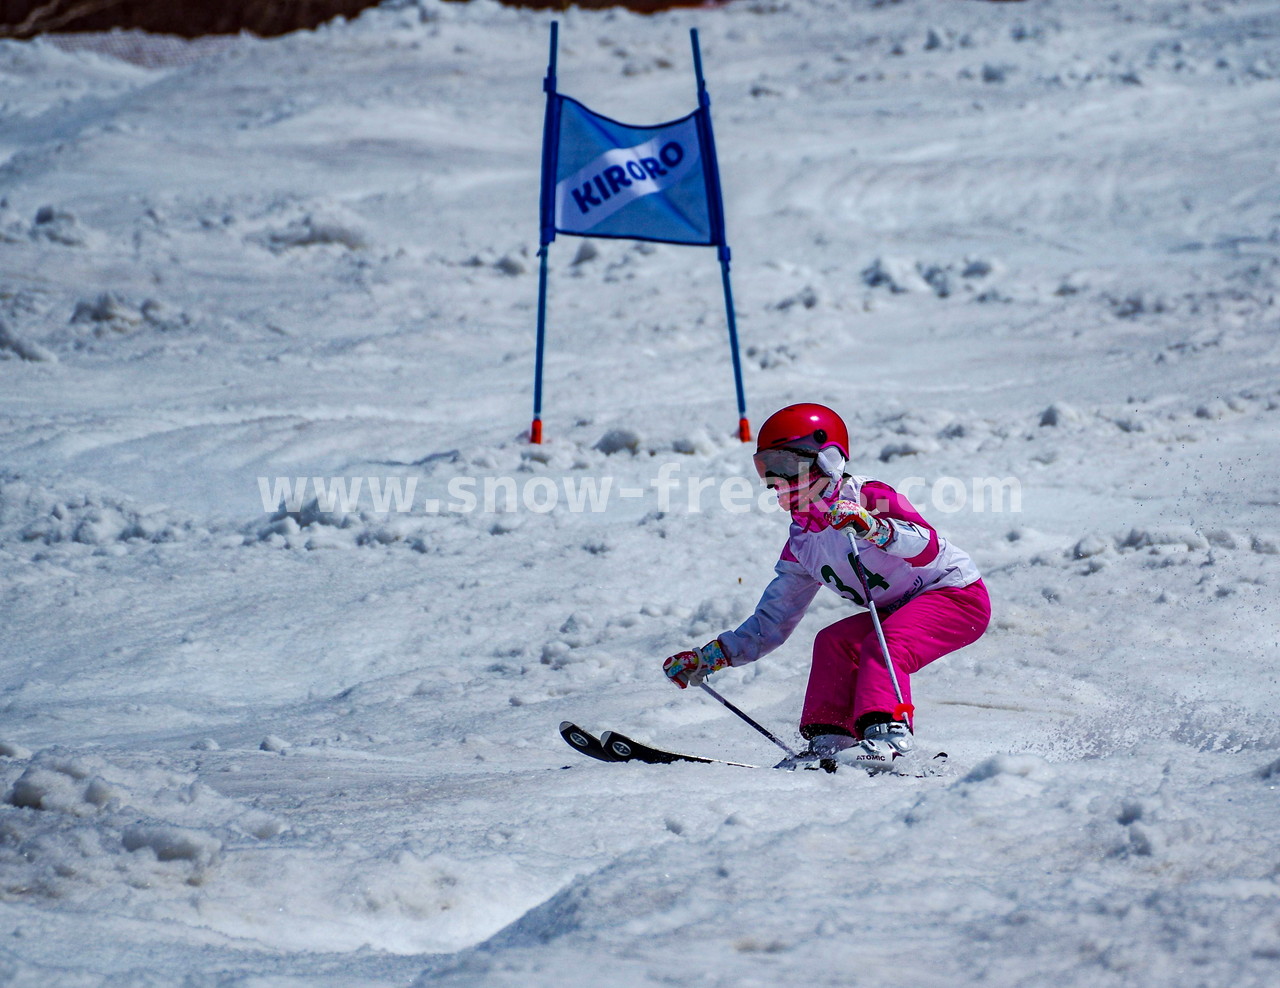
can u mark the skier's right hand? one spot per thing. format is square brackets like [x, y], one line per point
[692, 667]
[853, 517]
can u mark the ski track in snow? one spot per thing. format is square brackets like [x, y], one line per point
[311, 747]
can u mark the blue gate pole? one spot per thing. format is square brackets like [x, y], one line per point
[711, 170]
[535, 429]
[550, 142]
[744, 427]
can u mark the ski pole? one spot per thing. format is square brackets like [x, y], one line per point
[763, 730]
[904, 708]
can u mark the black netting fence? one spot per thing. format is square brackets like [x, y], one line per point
[28, 18]
[197, 18]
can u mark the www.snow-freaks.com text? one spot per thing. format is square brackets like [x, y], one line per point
[669, 490]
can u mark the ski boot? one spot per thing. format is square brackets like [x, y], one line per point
[881, 745]
[820, 753]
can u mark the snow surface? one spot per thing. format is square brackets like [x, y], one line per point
[246, 744]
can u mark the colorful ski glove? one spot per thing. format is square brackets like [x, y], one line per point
[692, 667]
[863, 524]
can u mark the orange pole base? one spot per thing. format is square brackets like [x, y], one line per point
[744, 430]
[535, 432]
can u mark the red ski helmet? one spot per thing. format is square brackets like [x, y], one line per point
[806, 426]
[797, 439]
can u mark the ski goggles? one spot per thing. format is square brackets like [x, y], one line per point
[791, 465]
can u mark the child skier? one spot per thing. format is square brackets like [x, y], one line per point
[928, 593]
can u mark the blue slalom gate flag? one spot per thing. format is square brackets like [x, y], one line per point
[602, 178]
[641, 183]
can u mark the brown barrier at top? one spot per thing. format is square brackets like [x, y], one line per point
[195, 18]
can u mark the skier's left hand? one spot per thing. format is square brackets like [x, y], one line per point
[690, 668]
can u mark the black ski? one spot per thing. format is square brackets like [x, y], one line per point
[624, 749]
[614, 747]
[584, 741]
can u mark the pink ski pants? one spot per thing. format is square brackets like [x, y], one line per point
[848, 677]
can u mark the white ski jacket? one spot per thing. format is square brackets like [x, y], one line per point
[914, 561]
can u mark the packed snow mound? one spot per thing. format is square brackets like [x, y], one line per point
[1112, 814]
[109, 314]
[12, 346]
[30, 513]
[80, 828]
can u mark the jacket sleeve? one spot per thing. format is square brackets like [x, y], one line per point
[781, 607]
[914, 539]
